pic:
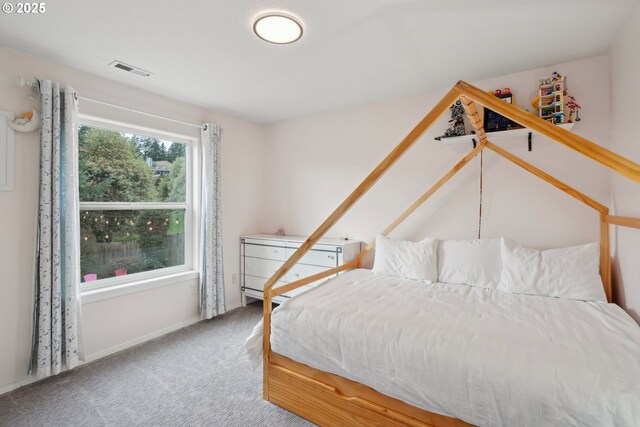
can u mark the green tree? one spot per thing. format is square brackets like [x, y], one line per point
[111, 169]
[177, 181]
[152, 228]
[162, 183]
[150, 148]
[175, 151]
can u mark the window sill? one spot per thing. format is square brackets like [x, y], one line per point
[93, 295]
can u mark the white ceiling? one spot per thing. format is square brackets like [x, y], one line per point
[352, 52]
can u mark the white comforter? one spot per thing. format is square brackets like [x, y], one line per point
[487, 357]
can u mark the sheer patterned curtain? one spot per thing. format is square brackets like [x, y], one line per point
[212, 301]
[56, 343]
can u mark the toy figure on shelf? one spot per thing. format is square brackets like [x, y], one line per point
[550, 100]
[573, 106]
[456, 124]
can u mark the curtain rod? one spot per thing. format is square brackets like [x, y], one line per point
[22, 82]
[157, 116]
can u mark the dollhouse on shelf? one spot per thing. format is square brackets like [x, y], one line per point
[551, 96]
[552, 104]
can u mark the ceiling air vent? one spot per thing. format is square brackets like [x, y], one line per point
[130, 69]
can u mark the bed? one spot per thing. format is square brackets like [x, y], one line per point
[484, 357]
[443, 354]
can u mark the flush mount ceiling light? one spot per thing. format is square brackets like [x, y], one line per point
[278, 28]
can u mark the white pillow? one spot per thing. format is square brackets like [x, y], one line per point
[571, 273]
[470, 262]
[410, 260]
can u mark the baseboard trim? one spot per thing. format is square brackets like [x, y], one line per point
[140, 340]
[17, 384]
[29, 379]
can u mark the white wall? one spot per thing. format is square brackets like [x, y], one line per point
[114, 322]
[312, 163]
[625, 92]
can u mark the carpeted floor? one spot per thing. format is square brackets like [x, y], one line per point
[198, 376]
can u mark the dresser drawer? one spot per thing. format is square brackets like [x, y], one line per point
[257, 283]
[276, 253]
[316, 257]
[261, 267]
[300, 271]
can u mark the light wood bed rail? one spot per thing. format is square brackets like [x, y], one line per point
[274, 292]
[328, 399]
[624, 221]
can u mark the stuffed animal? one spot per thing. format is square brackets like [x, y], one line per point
[26, 122]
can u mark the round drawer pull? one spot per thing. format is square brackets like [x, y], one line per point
[331, 257]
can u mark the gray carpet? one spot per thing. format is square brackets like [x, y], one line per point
[198, 376]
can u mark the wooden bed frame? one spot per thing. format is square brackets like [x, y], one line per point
[328, 399]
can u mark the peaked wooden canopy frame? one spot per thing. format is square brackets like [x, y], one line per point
[329, 399]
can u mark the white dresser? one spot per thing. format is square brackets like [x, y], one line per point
[261, 255]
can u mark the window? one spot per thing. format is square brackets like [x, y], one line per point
[134, 204]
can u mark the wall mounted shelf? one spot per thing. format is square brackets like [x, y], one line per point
[495, 136]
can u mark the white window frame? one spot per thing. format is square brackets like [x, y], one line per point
[163, 276]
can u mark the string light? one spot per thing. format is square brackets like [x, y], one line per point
[115, 227]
